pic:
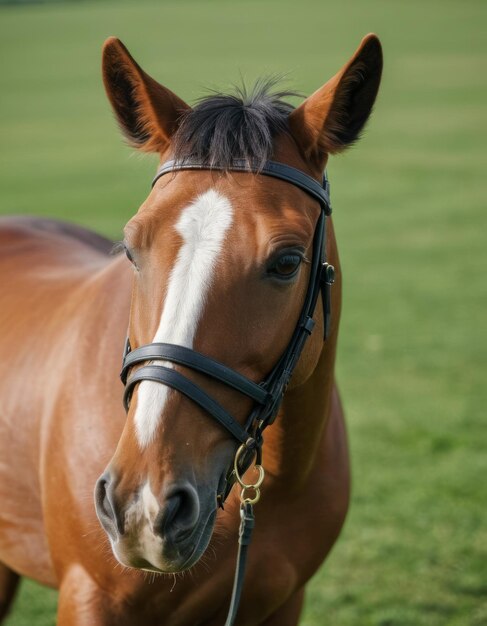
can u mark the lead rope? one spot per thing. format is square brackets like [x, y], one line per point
[247, 522]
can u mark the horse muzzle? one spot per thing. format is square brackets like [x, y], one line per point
[167, 534]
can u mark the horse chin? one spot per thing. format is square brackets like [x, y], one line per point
[152, 554]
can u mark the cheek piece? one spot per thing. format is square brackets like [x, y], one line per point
[267, 395]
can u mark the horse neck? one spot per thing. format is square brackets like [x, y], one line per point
[293, 441]
[110, 289]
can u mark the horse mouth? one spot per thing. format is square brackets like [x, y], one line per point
[149, 552]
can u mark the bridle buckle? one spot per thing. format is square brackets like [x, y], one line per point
[327, 279]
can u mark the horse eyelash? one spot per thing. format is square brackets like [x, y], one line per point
[121, 247]
[118, 246]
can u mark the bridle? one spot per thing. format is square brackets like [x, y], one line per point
[267, 395]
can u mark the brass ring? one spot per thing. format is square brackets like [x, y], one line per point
[259, 468]
[246, 500]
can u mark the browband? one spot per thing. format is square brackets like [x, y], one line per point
[289, 174]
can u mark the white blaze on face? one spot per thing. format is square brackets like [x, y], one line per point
[202, 226]
[140, 541]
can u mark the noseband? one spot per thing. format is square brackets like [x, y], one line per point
[268, 394]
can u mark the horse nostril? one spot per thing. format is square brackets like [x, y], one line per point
[179, 515]
[105, 507]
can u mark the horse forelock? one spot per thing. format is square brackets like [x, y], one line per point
[239, 125]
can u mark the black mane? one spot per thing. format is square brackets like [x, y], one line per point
[241, 125]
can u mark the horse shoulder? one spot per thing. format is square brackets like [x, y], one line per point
[43, 264]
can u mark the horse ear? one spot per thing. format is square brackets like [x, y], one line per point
[331, 119]
[147, 112]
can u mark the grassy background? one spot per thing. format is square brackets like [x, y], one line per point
[410, 216]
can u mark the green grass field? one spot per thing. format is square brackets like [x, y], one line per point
[410, 217]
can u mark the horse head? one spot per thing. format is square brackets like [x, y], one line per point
[221, 261]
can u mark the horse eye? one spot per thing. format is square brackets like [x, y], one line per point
[286, 265]
[128, 254]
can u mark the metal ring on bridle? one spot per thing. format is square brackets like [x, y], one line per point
[243, 448]
[244, 499]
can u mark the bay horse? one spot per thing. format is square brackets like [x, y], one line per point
[217, 261]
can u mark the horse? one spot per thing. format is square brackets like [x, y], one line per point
[218, 260]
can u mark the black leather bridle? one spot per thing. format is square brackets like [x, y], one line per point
[267, 395]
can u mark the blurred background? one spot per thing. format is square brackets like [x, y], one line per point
[409, 211]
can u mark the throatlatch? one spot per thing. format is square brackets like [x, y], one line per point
[266, 396]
